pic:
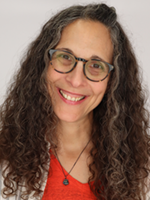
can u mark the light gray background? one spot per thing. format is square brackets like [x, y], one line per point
[21, 20]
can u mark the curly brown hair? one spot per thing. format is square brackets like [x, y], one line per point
[120, 126]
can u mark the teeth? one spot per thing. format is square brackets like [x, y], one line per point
[71, 98]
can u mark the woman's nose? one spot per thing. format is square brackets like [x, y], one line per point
[76, 77]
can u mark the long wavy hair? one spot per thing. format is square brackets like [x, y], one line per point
[120, 127]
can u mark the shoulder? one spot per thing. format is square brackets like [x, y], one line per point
[21, 189]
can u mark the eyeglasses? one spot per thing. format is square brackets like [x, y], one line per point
[94, 69]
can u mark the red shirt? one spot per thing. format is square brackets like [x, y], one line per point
[56, 190]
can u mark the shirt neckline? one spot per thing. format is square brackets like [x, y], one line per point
[52, 156]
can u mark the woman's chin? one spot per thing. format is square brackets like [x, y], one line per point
[69, 117]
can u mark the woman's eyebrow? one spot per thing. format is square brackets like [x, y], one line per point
[97, 58]
[66, 49]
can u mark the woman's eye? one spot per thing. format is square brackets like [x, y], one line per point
[97, 66]
[65, 56]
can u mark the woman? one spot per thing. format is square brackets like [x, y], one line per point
[74, 124]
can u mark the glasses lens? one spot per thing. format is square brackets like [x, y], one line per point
[62, 61]
[96, 70]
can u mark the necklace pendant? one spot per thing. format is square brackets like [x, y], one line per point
[66, 182]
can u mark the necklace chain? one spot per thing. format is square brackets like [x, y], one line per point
[66, 182]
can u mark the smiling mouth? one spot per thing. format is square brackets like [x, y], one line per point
[71, 98]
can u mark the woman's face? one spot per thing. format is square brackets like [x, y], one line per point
[85, 39]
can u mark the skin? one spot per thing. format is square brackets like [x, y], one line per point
[85, 39]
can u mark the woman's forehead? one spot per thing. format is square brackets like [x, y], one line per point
[86, 37]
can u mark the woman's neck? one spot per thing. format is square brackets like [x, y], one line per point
[73, 137]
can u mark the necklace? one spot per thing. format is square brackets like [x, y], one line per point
[66, 181]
